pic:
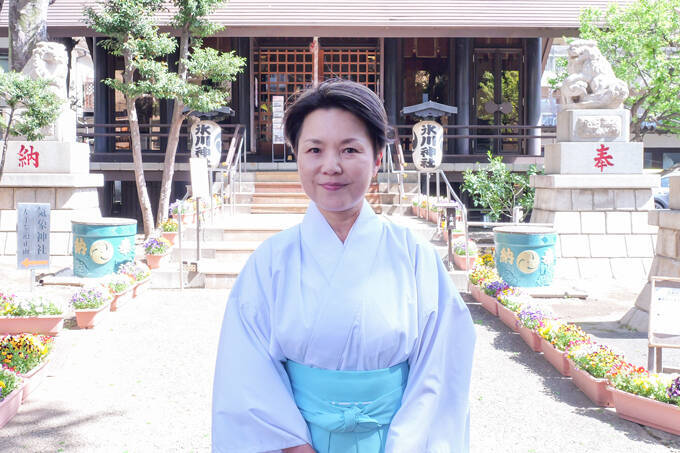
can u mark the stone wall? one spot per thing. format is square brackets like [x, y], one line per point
[70, 197]
[601, 222]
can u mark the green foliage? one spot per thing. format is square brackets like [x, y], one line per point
[642, 42]
[560, 73]
[31, 104]
[498, 189]
[9, 381]
[134, 36]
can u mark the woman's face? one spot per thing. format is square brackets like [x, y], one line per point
[336, 161]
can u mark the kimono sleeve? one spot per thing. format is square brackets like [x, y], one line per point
[434, 415]
[253, 410]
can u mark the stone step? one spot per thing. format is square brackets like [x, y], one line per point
[276, 176]
[222, 250]
[278, 187]
[281, 198]
[277, 208]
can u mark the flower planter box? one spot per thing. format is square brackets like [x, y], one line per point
[646, 411]
[170, 236]
[490, 303]
[461, 263]
[414, 210]
[155, 261]
[531, 338]
[86, 319]
[10, 405]
[433, 216]
[508, 317]
[596, 389]
[141, 287]
[33, 379]
[43, 325]
[121, 299]
[557, 358]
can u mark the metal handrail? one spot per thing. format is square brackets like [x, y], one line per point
[450, 192]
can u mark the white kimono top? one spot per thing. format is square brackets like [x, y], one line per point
[381, 298]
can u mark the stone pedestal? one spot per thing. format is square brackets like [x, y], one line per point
[50, 172]
[601, 221]
[594, 158]
[585, 125]
[666, 261]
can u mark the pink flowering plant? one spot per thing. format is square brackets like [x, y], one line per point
[90, 297]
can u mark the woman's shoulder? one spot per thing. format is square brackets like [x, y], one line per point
[414, 243]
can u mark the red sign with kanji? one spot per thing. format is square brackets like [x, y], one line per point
[27, 157]
[603, 159]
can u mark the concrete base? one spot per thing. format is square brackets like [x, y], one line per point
[69, 196]
[602, 223]
[574, 158]
[612, 125]
[636, 319]
[47, 157]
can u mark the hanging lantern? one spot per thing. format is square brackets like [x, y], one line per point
[428, 140]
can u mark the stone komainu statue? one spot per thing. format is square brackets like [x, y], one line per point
[591, 83]
[49, 61]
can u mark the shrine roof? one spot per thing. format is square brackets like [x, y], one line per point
[361, 18]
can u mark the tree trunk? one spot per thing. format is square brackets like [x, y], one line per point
[142, 193]
[173, 134]
[27, 27]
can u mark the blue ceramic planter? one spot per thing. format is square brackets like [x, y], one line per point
[525, 254]
[100, 246]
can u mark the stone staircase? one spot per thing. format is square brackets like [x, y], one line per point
[269, 203]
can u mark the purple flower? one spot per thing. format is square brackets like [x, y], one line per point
[674, 389]
[493, 288]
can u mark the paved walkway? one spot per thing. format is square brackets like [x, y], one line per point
[141, 382]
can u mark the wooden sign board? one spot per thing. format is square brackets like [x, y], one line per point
[33, 235]
[664, 312]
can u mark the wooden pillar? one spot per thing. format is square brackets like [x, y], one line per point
[242, 103]
[392, 79]
[463, 69]
[314, 47]
[533, 93]
[102, 114]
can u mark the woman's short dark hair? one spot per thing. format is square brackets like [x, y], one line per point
[342, 94]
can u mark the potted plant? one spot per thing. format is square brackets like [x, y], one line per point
[182, 210]
[26, 354]
[530, 320]
[556, 338]
[589, 366]
[487, 296]
[89, 303]
[646, 398]
[11, 391]
[169, 230]
[480, 274]
[31, 314]
[155, 249]
[509, 304]
[120, 286]
[496, 188]
[461, 250]
[139, 272]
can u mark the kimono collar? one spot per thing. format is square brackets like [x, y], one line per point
[325, 246]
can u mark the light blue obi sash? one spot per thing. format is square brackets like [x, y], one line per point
[348, 411]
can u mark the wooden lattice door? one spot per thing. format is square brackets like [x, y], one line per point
[360, 64]
[279, 71]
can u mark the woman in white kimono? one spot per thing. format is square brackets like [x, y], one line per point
[343, 333]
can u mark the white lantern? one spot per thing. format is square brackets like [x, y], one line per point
[428, 140]
[206, 141]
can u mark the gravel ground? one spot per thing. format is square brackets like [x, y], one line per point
[138, 382]
[520, 403]
[141, 382]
